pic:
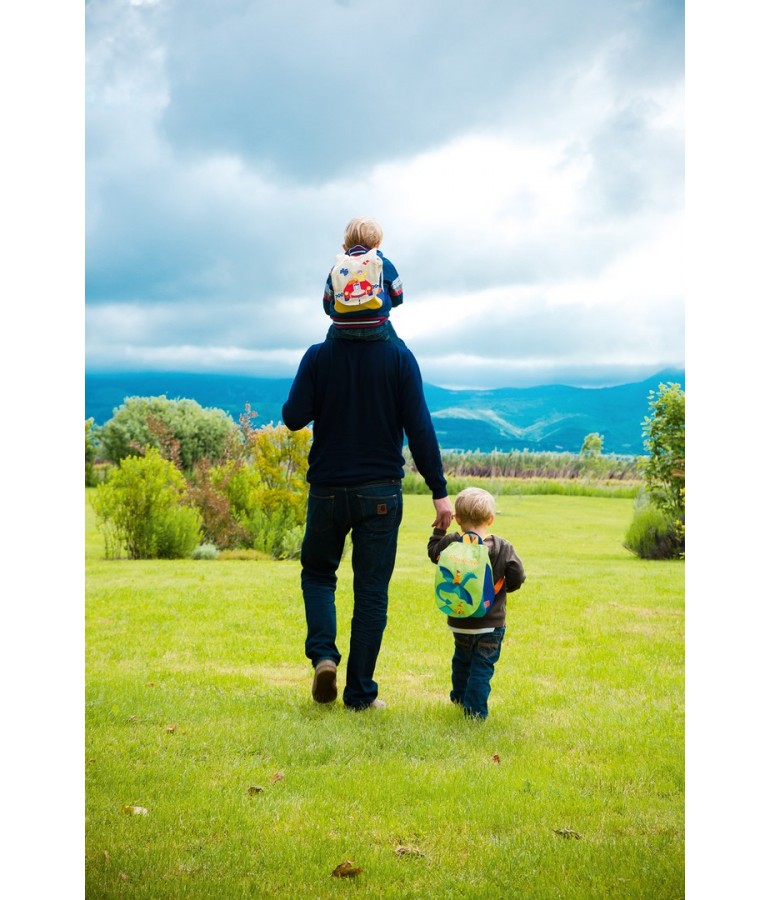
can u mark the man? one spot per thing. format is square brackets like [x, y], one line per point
[362, 397]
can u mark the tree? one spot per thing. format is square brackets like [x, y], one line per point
[592, 445]
[91, 445]
[658, 526]
[664, 438]
[181, 430]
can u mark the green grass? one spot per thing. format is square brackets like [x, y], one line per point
[586, 720]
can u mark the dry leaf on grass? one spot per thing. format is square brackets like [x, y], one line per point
[254, 789]
[405, 850]
[170, 729]
[496, 759]
[568, 833]
[279, 776]
[135, 810]
[347, 870]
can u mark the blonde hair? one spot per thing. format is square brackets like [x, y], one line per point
[474, 506]
[362, 231]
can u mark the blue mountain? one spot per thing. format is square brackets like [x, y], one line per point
[552, 417]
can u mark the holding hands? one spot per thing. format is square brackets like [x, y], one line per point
[444, 513]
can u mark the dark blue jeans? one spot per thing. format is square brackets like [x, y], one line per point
[372, 513]
[473, 665]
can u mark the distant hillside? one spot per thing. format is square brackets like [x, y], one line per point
[553, 417]
[105, 392]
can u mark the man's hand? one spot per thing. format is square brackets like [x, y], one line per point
[444, 513]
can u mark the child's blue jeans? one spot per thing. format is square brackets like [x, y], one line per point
[473, 665]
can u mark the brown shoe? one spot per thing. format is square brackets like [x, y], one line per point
[324, 688]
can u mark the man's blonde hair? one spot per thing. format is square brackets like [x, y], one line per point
[362, 231]
[474, 506]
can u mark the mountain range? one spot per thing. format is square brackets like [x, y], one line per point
[552, 417]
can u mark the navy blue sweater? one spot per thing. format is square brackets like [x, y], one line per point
[363, 397]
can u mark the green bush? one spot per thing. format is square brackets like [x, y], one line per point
[239, 510]
[205, 551]
[658, 526]
[653, 533]
[182, 430]
[91, 445]
[177, 532]
[267, 489]
[269, 529]
[291, 543]
[664, 438]
[221, 525]
[143, 509]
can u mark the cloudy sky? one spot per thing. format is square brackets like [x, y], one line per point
[525, 160]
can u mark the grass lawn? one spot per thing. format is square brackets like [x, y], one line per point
[198, 710]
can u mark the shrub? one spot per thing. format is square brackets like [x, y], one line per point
[658, 526]
[281, 456]
[241, 483]
[209, 491]
[277, 492]
[91, 445]
[181, 429]
[664, 438]
[653, 533]
[144, 509]
[205, 551]
[178, 530]
[269, 528]
[291, 543]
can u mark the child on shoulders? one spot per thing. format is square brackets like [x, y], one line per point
[362, 287]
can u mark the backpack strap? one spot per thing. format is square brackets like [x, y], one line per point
[500, 582]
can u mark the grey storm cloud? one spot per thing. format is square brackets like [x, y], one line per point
[504, 147]
[314, 90]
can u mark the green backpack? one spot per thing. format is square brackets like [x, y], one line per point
[463, 585]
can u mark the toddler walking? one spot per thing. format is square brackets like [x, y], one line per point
[478, 640]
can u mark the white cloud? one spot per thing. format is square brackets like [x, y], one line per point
[541, 192]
